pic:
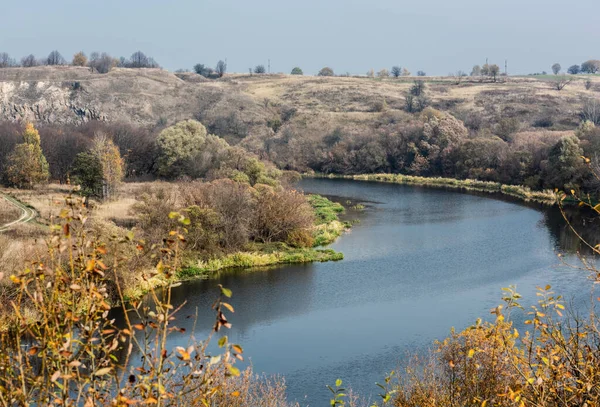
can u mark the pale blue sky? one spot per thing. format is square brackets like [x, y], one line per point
[437, 36]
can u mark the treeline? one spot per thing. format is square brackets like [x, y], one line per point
[435, 143]
[100, 62]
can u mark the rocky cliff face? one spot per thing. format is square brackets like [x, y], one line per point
[76, 95]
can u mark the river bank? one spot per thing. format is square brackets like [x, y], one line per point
[327, 229]
[526, 194]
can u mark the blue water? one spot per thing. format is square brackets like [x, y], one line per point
[419, 262]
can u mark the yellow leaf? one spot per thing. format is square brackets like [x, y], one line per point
[471, 353]
[103, 371]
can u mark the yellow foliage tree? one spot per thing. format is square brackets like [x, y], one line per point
[113, 165]
[27, 164]
[79, 59]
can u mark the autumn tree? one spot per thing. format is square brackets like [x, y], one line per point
[556, 68]
[327, 71]
[27, 165]
[112, 165]
[79, 59]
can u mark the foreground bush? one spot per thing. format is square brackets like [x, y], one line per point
[70, 353]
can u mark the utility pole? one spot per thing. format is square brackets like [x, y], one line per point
[269, 66]
[506, 67]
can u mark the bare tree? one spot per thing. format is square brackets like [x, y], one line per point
[476, 71]
[561, 81]
[384, 73]
[556, 69]
[138, 60]
[55, 58]
[101, 63]
[221, 68]
[591, 111]
[6, 61]
[29, 61]
[457, 76]
[396, 71]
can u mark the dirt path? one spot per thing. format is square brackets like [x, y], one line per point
[27, 214]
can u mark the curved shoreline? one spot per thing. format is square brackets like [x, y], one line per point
[546, 197]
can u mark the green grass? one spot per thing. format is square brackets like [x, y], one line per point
[516, 191]
[259, 259]
[325, 210]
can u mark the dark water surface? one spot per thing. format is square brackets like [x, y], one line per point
[420, 262]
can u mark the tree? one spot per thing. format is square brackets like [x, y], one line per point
[384, 73]
[203, 70]
[565, 165]
[260, 69]
[187, 149]
[490, 70]
[406, 72]
[574, 69]
[297, 71]
[476, 71]
[87, 173]
[327, 71]
[29, 61]
[6, 61]
[419, 73]
[101, 63]
[112, 165]
[556, 68]
[561, 81]
[27, 165]
[55, 58]
[591, 111]
[139, 60]
[79, 59]
[221, 68]
[396, 71]
[592, 66]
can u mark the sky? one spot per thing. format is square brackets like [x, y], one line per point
[350, 36]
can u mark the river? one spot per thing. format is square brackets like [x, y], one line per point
[420, 261]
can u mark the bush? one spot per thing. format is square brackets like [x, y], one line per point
[297, 71]
[326, 72]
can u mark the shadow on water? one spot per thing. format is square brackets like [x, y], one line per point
[420, 261]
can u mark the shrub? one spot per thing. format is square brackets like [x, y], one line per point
[297, 71]
[326, 72]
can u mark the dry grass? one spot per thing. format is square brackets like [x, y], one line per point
[8, 212]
